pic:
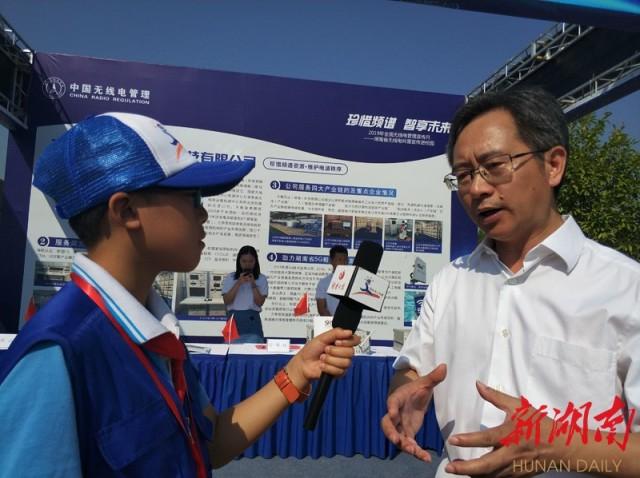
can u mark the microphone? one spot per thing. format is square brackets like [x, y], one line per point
[347, 316]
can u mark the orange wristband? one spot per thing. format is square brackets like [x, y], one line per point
[288, 389]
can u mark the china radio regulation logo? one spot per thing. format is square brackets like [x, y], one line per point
[53, 88]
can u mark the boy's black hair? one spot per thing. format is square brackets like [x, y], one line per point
[89, 225]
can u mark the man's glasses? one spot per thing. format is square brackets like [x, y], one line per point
[494, 170]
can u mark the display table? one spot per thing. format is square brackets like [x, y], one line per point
[350, 419]
[349, 423]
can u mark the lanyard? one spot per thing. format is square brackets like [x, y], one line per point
[188, 429]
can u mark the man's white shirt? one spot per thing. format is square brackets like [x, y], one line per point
[566, 327]
[321, 293]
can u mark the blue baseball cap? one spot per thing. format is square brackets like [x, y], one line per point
[114, 152]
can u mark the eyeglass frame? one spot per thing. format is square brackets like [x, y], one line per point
[450, 177]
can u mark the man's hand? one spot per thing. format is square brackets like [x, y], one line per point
[512, 460]
[406, 407]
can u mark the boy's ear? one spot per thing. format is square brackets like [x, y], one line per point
[122, 211]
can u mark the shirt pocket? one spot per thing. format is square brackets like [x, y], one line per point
[562, 371]
[131, 440]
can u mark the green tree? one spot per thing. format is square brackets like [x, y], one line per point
[602, 184]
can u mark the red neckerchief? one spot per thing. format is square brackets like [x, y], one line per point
[166, 345]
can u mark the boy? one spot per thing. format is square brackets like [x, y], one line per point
[96, 384]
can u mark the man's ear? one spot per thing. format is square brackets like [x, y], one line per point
[555, 165]
[122, 211]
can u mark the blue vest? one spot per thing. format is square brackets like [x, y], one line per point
[125, 428]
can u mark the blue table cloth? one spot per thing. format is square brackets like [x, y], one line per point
[349, 423]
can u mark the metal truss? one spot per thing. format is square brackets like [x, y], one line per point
[601, 84]
[13, 106]
[537, 54]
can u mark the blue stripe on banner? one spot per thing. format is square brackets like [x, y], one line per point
[409, 286]
[64, 242]
[299, 258]
[204, 318]
[334, 189]
[207, 339]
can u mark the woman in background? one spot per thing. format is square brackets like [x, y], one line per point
[244, 292]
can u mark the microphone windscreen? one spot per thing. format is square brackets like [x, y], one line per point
[369, 256]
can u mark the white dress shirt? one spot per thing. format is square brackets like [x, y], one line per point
[566, 327]
[321, 293]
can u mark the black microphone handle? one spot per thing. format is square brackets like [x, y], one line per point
[322, 388]
[347, 316]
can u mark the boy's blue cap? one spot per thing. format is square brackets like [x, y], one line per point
[115, 152]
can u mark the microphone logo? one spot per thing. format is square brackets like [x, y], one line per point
[365, 290]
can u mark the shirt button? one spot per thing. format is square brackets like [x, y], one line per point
[505, 333]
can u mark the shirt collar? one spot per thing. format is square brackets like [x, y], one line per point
[565, 242]
[141, 324]
[484, 247]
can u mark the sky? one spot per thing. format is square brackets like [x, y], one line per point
[367, 42]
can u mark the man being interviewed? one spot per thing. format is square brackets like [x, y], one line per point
[97, 384]
[537, 311]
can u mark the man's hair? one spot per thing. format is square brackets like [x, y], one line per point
[337, 250]
[537, 114]
[89, 225]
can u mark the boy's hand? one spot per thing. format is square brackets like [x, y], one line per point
[330, 352]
